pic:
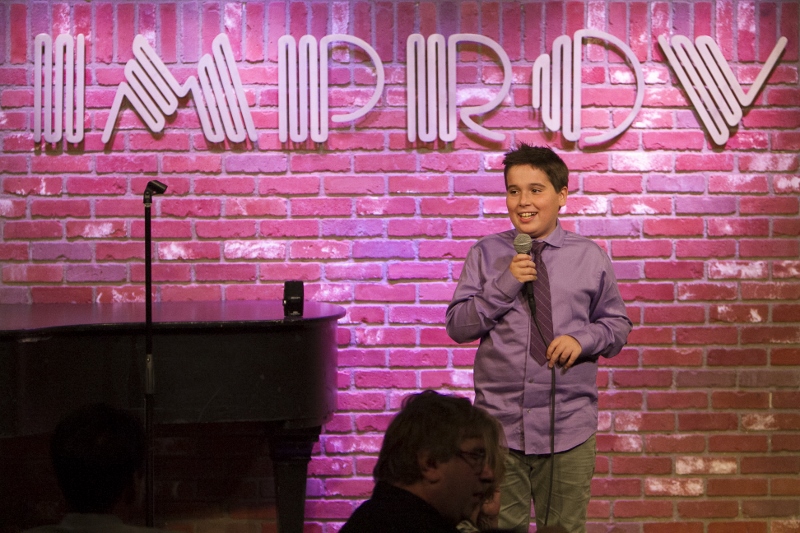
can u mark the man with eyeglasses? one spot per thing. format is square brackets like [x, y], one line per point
[440, 457]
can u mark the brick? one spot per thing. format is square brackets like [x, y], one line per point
[671, 357]
[326, 207]
[125, 164]
[707, 422]
[706, 335]
[12, 208]
[647, 291]
[616, 487]
[620, 400]
[386, 379]
[78, 185]
[705, 248]
[785, 400]
[673, 269]
[740, 183]
[417, 315]
[381, 249]
[736, 357]
[446, 379]
[682, 183]
[650, 335]
[32, 274]
[709, 509]
[738, 270]
[384, 162]
[270, 186]
[766, 334]
[771, 508]
[478, 228]
[195, 293]
[769, 378]
[44, 186]
[319, 250]
[225, 272]
[769, 205]
[163, 229]
[707, 291]
[737, 487]
[785, 487]
[197, 163]
[449, 206]
[674, 444]
[187, 251]
[737, 443]
[674, 314]
[280, 272]
[641, 509]
[641, 465]
[289, 228]
[60, 208]
[61, 294]
[190, 207]
[616, 183]
[769, 248]
[785, 442]
[674, 487]
[642, 378]
[352, 228]
[784, 356]
[354, 185]
[250, 292]
[739, 400]
[771, 465]
[704, 378]
[729, 227]
[163, 272]
[677, 400]
[96, 273]
[770, 291]
[211, 229]
[640, 205]
[673, 227]
[644, 422]
[29, 230]
[671, 527]
[610, 228]
[385, 206]
[738, 313]
[761, 421]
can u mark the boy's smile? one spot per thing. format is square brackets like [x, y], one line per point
[532, 201]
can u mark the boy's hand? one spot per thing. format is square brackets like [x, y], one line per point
[522, 268]
[563, 351]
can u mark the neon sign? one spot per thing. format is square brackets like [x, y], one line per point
[303, 110]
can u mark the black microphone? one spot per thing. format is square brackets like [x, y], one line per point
[523, 244]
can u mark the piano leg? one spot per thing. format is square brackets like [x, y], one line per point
[290, 451]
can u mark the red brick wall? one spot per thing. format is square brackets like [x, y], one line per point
[699, 422]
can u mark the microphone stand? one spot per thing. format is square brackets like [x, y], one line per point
[153, 187]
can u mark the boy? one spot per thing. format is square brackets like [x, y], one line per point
[579, 315]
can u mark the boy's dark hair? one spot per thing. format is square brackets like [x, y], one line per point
[437, 424]
[96, 451]
[542, 158]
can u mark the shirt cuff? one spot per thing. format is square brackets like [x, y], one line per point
[508, 284]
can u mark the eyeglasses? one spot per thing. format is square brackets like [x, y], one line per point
[476, 460]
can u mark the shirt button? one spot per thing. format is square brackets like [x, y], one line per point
[530, 381]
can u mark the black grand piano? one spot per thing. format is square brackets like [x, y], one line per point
[214, 362]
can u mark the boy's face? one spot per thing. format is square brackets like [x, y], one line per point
[533, 203]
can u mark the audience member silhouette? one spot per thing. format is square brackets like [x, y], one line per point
[435, 467]
[98, 454]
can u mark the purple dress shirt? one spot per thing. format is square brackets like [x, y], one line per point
[489, 305]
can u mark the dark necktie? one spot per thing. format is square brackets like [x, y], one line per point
[544, 308]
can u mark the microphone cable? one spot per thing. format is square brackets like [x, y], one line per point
[522, 245]
[532, 303]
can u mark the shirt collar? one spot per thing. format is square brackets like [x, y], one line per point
[556, 238]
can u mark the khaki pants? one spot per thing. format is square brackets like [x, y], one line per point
[528, 477]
